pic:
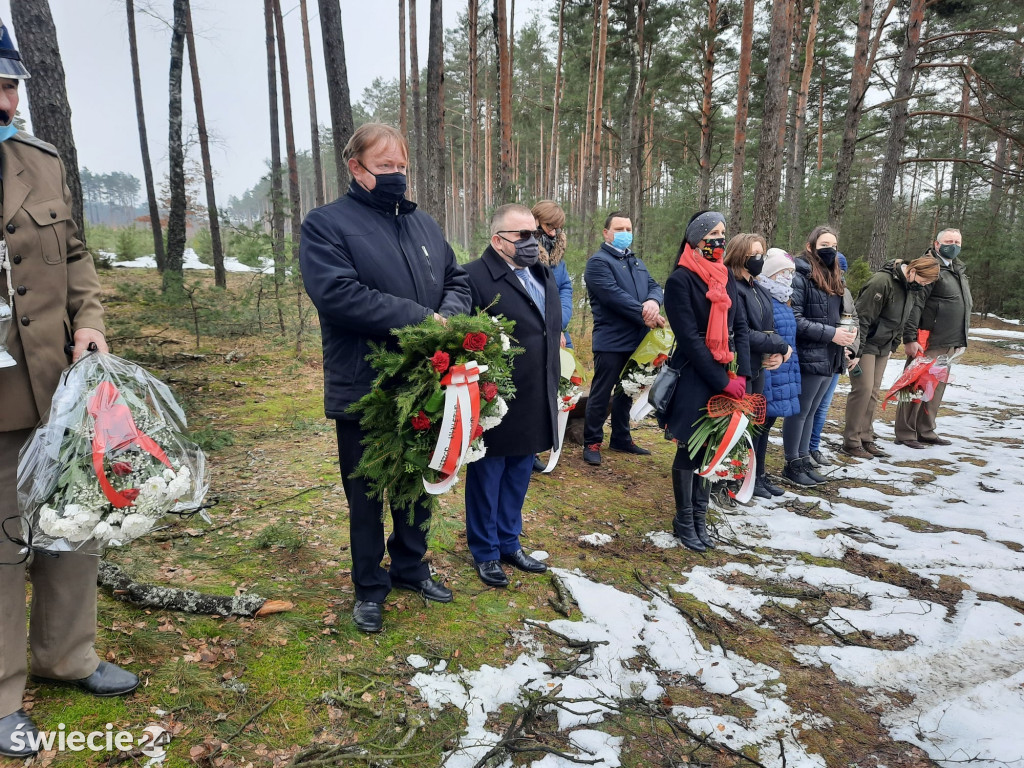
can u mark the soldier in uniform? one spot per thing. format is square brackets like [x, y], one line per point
[48, 279]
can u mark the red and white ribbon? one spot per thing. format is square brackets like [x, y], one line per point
[458, 423]
[736, 431]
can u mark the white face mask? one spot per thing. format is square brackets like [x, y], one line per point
[779, 285]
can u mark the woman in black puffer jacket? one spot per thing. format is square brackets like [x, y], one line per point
[817, 304]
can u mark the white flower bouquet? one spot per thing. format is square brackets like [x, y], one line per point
[109, 461]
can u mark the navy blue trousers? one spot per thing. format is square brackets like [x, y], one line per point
[495, 492]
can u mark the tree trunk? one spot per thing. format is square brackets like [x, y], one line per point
[897, 134]
[147, 165]
[435, 193]
[586, 137]
[418, 164]
[704, 179]
[173, 278]
[798, 158]
[766, 192]
[314, 127]
[739, 140]
[595, 146]
[995, 200]
[552, 171]
[473, 193]
[859, 76]
[337, 85]
[403, 74]
[504, 99]
[47, 92]
[638, 146]
[219, 275]
[276, 194]
[289, 133]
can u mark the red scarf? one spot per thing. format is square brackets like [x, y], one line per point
[715, 275]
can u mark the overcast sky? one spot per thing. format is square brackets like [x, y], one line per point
[231, 50]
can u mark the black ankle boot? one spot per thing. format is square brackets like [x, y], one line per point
[682, 525]
[701, 496]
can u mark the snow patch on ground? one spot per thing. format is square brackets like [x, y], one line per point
[596, 539]
[191, 261]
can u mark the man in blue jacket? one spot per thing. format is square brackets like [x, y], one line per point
[371, 262]
[626, 302]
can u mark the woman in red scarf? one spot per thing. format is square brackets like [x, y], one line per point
[710, 326]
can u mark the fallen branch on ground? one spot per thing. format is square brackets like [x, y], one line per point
[563, 603]
[122, 587]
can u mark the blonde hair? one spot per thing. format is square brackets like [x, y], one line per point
[737, 252]
[550, 213]
[369, 135]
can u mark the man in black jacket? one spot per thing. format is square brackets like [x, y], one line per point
[508, 280]
[943, 310]
[371, 262]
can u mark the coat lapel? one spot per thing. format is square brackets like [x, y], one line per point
[500, 272]
[15, 188]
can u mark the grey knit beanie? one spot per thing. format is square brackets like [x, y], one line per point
[700, 226]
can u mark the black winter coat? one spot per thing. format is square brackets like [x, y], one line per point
[763, 340]
[700, 377]
[817, 317]
[369, 269]
[530, 426]
[883, 306]
[944, 307]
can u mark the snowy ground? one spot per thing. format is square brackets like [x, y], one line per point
[962, 669]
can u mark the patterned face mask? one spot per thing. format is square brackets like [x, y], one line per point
[779, 286]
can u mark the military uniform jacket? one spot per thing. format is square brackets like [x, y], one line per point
[56, 287]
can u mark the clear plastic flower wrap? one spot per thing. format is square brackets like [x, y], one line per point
[108, 462]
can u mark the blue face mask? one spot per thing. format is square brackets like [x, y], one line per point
[622, 240]
[6, 131]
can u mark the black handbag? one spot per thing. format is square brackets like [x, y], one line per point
[664, 387]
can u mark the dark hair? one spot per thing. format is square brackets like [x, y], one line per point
[828, 280]
[614, 215]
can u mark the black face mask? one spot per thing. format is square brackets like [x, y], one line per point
[914, 287]
[713, 249]
[390, 187]
[527, 252]
[828, 256]
[754, 265]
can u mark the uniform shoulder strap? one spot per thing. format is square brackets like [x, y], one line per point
[32, 141]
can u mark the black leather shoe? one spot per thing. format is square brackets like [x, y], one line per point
[107, 680]
[18, 734]
[368, 616]
[490, 573]
[524, 562]
[760, 491]
[592, 454]
[633, 448]
[911, 444]
[820, 459]
[427, 589]
[771, 487]
[538, 465]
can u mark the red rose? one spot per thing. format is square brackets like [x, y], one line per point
[440, 361]
[478, 432]
[489, 390]
[577, 380]
[131, 494]
[420, 422]
[474, 342]
[122, 468]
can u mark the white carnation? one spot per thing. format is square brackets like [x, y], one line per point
[135, 525]
[477, 450]
[104, 531]
[502, 407]
[506, 343]
[489, 422]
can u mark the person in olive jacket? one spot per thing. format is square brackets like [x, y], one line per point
[943, 314]
[768, 350]
[626, 302]
[883, 306]
[706, 314]
[372, 262]
[48, 278]
[509, 280]
[817, 303]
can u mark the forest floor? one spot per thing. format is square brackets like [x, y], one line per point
[875, 621]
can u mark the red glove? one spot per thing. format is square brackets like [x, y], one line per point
[736, 388]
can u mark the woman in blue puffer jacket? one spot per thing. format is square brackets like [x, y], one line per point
[782, 385]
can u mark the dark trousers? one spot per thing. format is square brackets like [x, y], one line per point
[607, 373]
[408, 540]
[796, 430]
[761, 444]
[495, 492]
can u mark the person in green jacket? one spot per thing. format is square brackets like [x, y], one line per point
[944, 312]
[884, 305]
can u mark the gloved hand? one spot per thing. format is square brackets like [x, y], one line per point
[736, 388]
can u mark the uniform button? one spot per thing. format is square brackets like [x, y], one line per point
[16, 259]
[53, 214]
[25, 320]
[10, 229]
[21, 290]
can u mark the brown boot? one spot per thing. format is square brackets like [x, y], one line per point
[874, 450]
[857, 451]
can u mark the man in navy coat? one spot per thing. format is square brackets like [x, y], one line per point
[509, 280]
[372, 262]
[626, 302]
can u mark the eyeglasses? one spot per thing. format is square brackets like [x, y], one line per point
[524, 234]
